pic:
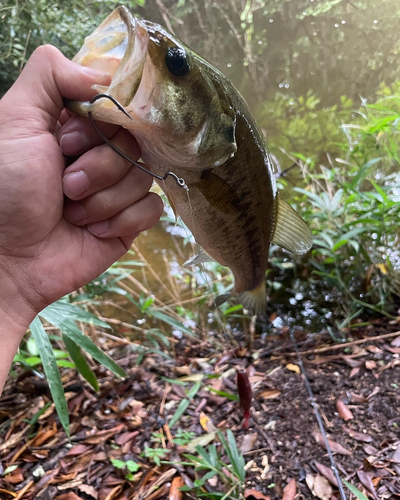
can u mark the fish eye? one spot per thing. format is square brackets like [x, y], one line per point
[177, 61]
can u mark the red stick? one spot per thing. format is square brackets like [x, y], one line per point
[245, 396]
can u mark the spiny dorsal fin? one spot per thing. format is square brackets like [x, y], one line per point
[291, 232]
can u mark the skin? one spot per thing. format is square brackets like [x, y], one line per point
[51, 245]
[232, 211]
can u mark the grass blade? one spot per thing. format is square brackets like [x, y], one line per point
[70, 329]
[80, 362]
[51, 370]
[358, 494]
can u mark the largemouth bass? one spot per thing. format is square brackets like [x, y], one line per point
[188, 118]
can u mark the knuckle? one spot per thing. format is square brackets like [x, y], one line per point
[45, 53]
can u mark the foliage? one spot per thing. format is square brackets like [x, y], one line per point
[26, 24]
[352, 205]
[210, 461]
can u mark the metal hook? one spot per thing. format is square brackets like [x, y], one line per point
[179, 180]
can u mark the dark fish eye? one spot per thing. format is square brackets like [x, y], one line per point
[177, 61]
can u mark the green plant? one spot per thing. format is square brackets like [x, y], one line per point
[155, 454]
[130, 465]
[210, 462]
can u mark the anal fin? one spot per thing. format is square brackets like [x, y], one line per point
[255, 300]
[291, 232]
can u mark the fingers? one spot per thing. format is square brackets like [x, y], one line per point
[108, 202]
[77, 135]
[101, 167]
[134, 219]
[47, 78]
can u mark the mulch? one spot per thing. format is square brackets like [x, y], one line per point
[356, 387]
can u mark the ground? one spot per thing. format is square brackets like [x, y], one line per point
[356, 387]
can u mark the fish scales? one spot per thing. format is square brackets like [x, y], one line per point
[188, 118]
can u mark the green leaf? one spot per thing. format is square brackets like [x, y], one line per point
[358, 494]
[232, 397]
[119, 464]
[80, 362]
[10, 469]
[61, 310]
[132, 466]
[182, 407]
[51, 370]
[70, 329]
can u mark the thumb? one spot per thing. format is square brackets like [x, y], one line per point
[48, 77]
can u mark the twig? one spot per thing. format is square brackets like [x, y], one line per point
[346, 344]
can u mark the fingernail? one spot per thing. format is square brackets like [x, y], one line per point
[73, 143]
[75, 184]
[101, 77]
[99, 228]
[75, 212]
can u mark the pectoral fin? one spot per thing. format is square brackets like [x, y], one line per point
[217, 192]
[291, 232]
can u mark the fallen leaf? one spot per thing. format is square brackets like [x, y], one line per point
[14, 478]
[69, 496]
[396, 342]
[335, 447]
[396, 455]
[254, 494]
[319, 486]
[248, 442]
[358, 436]
[207, 423]
[175, 493]
[350, 361]
[367, 482]
[293, 368]
[78, 450]
[270, 394]
[327, 472]
[343, 410]
[88, 490]
[369, 449]
[354, 372]
[290, 490]
[370, 365]
[374, 349]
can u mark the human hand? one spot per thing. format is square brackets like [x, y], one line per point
[47, 247]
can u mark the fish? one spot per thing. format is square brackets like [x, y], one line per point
[188, 118]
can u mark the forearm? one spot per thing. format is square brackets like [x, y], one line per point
[9, 342]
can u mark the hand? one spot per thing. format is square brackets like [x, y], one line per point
[47, 247]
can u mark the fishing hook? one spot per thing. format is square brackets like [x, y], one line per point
[179, 180]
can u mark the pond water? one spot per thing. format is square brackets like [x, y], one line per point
[293, 61]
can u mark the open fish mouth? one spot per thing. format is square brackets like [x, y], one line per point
[118, 46]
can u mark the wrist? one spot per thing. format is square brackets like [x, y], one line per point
[16, 313]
